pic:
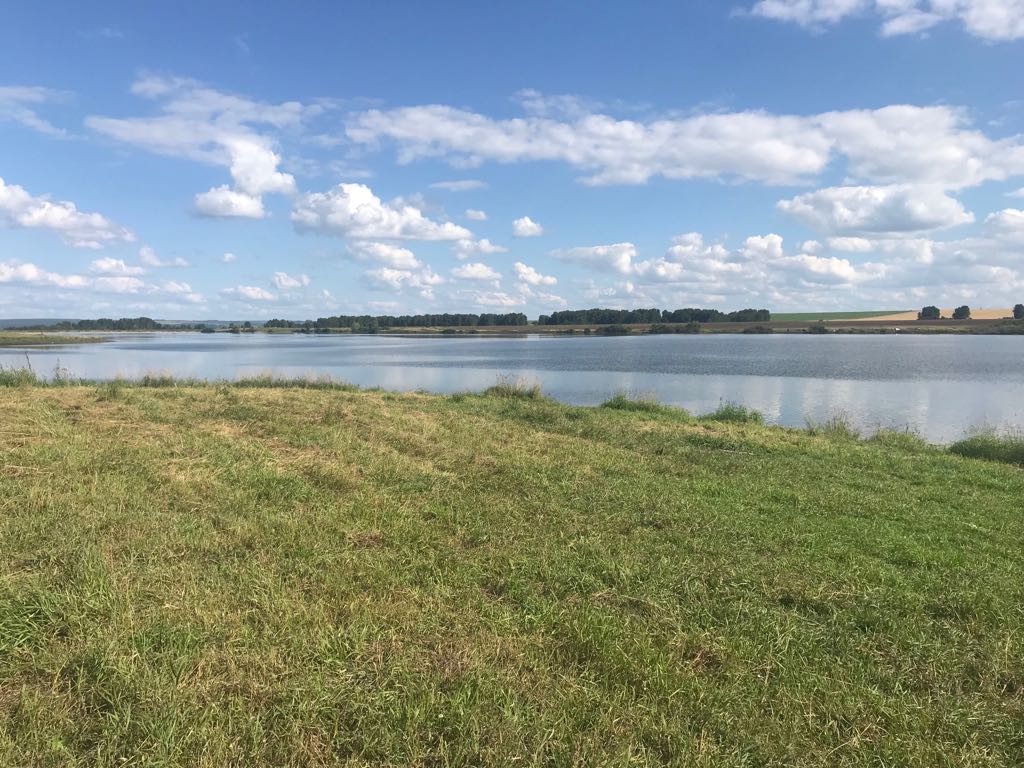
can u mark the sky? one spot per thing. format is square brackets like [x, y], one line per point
[234, 160]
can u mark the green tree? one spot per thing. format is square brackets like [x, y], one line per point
[962, 313]
[1018, 312]
[929, 313]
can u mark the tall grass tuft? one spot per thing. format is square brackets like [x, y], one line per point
[1007, 447]
[18, 377]
[518, 389]
[623, 402]
[735, 414]
[837, 427]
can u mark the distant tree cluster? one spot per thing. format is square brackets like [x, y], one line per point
[1018, 312]
[109, 324]
[364, 323]
[629, 316]
[933, 313]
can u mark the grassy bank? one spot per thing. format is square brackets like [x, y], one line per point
[264, 575]
[33, 339]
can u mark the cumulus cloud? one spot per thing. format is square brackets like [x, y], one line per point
[475, 271]
[489, 299]
[460, 185]
[422, 281]
[29, 274]
[248, 293]
[526, 227]
[387, 254]
[149, 258]
[530, 276]
[893, 144]
[182, 291]
[475, 215]
[988, 19]
[20, 103]
[286, 282]
[109, 266]
[229, 258]
[352, 210]
[224, 203]
[20, 209]
[464, 249]
[206, 125]
[893, 209]
[616, 258]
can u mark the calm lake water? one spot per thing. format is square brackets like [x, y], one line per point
[940, 386]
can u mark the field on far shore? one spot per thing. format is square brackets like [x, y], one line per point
[815, 316]
[301, 574]
[976, 314]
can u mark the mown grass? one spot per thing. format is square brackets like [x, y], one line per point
[267, 575]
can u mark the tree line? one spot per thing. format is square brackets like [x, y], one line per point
[376, 322]
[110, 324]
[962, 313]
[631, 316]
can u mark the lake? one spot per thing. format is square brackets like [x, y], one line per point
[940, 386]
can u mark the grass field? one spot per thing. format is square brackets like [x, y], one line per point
[34, 339]
[815, 316]
[258, 575]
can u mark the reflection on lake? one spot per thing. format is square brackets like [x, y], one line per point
[941, 386]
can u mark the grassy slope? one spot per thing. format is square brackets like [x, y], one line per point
[224, 576]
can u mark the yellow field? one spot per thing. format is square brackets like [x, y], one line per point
[976, 314]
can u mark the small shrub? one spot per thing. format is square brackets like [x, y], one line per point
[110, 390]
[613, 330]
[1007, 447]
[962, 313]
[737, 414]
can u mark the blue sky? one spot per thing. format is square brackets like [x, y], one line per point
[235, 160]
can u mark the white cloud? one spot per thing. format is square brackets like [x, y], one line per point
[422, 280]
[223, 203]
[18, 208]
[894, 144]
[497, 299]
[182, 291]
[475, 215]
[209, 126]
[1018, 193]
[149, 258]
[475, 271]
[461, 185]
[109, 266]
[229, 258]
[526, 227]
[286, 282]
[118, 284]
[20, 272]
[464, 249]
[1007, 224]
[249, 293]
[530, 276]
[988, 19]
[617, 258]
[387, 254]
[894, 209]
[353, 210]
[18, 104]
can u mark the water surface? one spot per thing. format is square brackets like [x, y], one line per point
[940, 386]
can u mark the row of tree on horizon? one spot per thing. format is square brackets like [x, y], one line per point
[961, 313]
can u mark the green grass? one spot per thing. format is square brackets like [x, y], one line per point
[33, 339]
[814, 316]
[257, 574]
